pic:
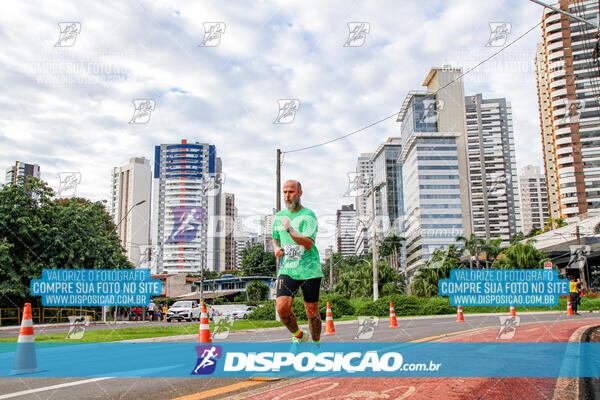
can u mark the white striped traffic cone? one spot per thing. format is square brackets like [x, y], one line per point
[204, 331]
[513, 312]
[329, 328]
[25, 361]
[459, 315]
[393, 321]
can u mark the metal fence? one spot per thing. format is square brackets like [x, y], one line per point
[44, 315]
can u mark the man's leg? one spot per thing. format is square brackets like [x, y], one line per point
[284, 309]
[314, 320]
[310, 289]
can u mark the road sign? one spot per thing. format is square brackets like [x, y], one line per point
[547, 265]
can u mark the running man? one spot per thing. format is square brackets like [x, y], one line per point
[294, 232]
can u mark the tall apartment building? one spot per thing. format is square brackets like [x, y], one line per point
[226, 230]
[266, 230]
[345, 229]
[21, 169]
[534, 199]
[435, 171]
[185, 201]
[568, 86]
[360, 185]
[242, 240]
[130, 206]
[492, 168]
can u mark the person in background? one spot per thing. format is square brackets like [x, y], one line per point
[574, 294]
[151, 310]
[164, 312]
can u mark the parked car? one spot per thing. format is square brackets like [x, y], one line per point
[243, 314]
[184, 310]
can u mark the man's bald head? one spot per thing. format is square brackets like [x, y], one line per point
[290, 181]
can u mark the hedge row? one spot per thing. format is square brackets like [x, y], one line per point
[404, 306]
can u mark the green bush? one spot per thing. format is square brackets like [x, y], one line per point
[264, 313]
[437, 306]
[340, 305]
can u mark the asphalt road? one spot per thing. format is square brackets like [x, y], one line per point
[410, 329]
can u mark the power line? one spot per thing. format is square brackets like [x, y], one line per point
[396, 113]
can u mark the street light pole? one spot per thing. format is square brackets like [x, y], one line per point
[375, 249]
[115, 231]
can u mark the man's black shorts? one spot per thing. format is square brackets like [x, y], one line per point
[287, 286]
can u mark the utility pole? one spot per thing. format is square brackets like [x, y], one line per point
[330, 269]
[375, 249]
[201, 277]
[278, 193]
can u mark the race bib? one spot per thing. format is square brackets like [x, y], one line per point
[293, 252]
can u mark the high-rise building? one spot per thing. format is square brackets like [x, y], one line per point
[360, 185]
[21, 169]
[534, 199]
[185, 203]
[266, 231]
[492, 168]
[568, 89]
[345, 229]
[227, 218]
[130, 206]
[435, 172]
[243, 240]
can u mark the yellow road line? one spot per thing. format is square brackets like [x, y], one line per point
[430, 338]
[220, 390]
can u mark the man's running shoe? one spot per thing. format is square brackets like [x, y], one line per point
[298, 342]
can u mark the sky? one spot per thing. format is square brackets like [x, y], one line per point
[66, 102]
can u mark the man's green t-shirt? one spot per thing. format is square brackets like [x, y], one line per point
[297, 262]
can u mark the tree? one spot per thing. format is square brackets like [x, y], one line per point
[474, 246]
[438, 267]
[516, 238]
[554, 223]
[257, 291]
[257, 262]
[520, 256]
[492, 249]
[39, 232]
[390, 248]
[358, 281]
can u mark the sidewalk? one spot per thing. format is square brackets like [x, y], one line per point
[66, 324]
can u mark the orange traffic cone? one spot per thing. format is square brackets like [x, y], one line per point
[25, 361]
[393, 321]
[459, 315]
[329, 329]
[204, 331]
[513, 312]
[569, 307]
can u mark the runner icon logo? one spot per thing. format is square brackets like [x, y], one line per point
[508, 327]
[207, 359]
[366, 327]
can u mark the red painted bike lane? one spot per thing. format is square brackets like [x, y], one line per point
[440, 388]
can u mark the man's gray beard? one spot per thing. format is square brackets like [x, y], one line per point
[292, 205]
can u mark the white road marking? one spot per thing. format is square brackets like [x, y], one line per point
[45, 388]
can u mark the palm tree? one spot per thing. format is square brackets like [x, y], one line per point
[492, 249]
[554, 223]
[520, 256]
[516, 238]
[474, 246]
[389, 248]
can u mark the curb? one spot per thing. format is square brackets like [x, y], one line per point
[570, 388]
